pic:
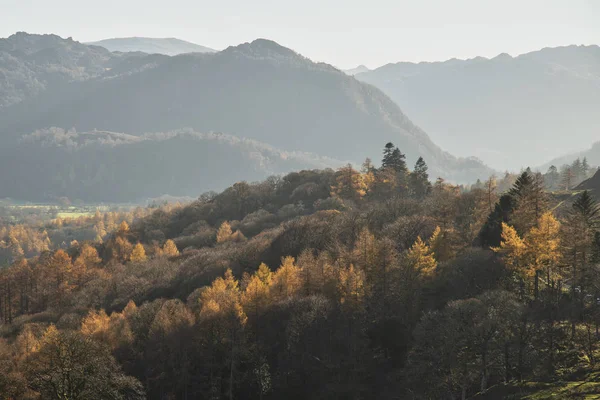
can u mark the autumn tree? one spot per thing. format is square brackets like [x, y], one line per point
[169, 249]
[69, 365]
[349, 184]
[255, 297]
[224, 233]
[223, 318]
[441, 245]
[543, 247]
[138, 254]
[286, 280]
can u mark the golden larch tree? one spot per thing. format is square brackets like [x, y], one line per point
[224, 233]
[138, 254]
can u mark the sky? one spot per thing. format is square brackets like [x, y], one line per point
[344, 33]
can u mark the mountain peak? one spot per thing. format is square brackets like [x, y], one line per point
[264, 48]
[166, 46]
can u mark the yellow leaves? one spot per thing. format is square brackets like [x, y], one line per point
[138, 254]
[350, 184]
[224, 233]
[123, 228]
[27, 342]
[351, 286]
[96, 324]
[222, 298]
[264, 273]
[121, 249]
[440, 244]
[286, 280]
[420, 258]
[512, 247]
[543, 241]
[539, 249]
[256, 296]
[172, 316]
[51, 335]
[169, 249]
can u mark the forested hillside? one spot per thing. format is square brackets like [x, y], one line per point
[112, 167]
[317, 285]
[500, 109]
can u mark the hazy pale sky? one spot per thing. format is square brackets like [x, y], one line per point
[344, 33]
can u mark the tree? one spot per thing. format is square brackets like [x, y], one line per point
[543, 247]
[585, 168]
[440, 244]
[71, 366]
[351, 287]
[123, 228]
[224, 318]
[579, 233]
[256, 295]
[490, 190]
[368, 175]
[350, 184]
[567, 178]
[394, 160]
[419, 179]
[552, 178]
[224, 233]
[88, 258]
[169, 249]
[513, 249]
[138, 254]
[466, 342]
[420, 259]
[286, 281]
[531, 201]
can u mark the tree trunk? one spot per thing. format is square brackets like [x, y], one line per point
[506, 363]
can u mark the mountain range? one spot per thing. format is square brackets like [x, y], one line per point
[166, 46]
[258, 91]
[508, 111]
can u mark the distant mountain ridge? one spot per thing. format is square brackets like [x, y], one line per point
[508, 111]
[166, 46]
[32, 64]
[358, 70]
[261, 91]
[592, 155]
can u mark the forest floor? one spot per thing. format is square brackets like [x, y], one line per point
[586, 387]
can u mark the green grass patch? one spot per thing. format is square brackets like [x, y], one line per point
[588, 388]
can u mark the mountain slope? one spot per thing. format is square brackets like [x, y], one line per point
[166, 46]
[257, 90]
[508, 111]
[592, 154]
[32, 64]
